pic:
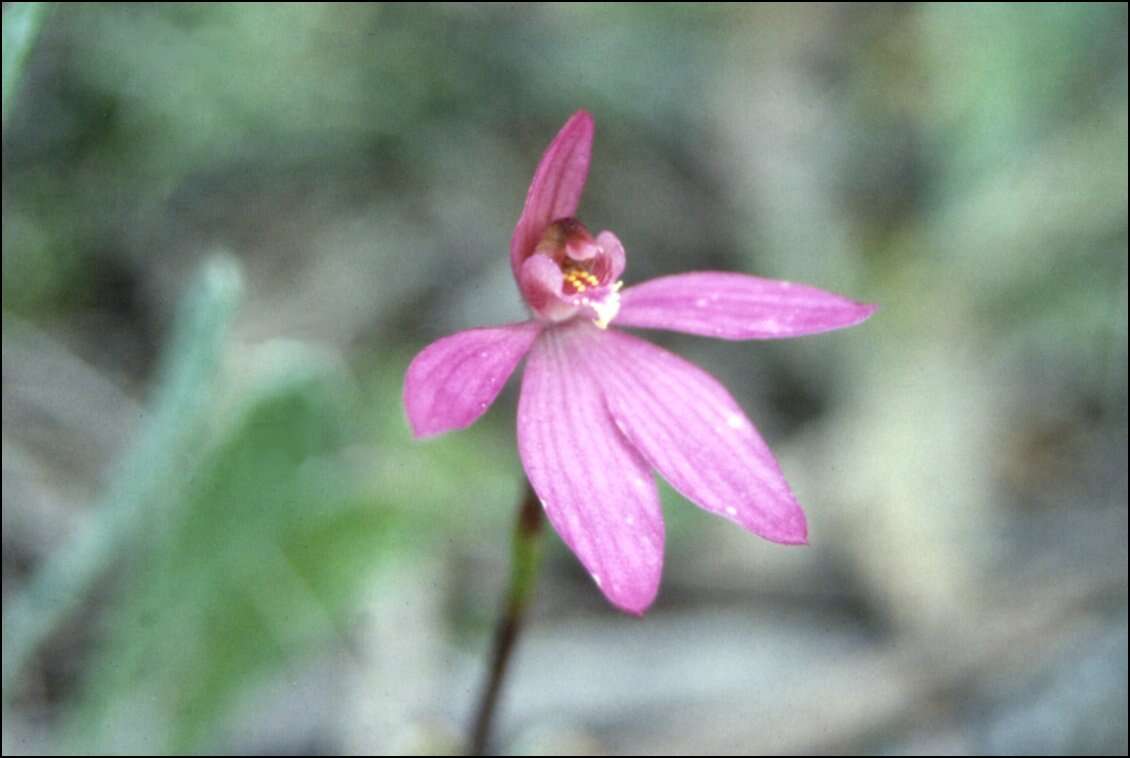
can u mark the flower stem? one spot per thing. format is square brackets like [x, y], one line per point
[525, 558]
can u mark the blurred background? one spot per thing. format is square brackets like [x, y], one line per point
[228, 228]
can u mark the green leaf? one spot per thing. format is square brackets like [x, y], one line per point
[162, 452]
[269, 541]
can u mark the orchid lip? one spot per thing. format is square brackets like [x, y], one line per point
[606, 307]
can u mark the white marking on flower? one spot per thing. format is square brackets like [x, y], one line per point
[731, 510]
[606, 308]
[735, 421]
[596, 578]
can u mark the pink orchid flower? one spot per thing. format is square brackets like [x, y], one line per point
[600, 409]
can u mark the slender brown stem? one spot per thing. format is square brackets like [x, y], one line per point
[526, 555]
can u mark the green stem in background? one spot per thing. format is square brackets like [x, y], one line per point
[161, 453]
[525, 559]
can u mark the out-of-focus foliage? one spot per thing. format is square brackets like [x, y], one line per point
[256, 560]
[163, 455]
[317, 581]
[21, 27]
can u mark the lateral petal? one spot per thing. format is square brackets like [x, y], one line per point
[689, 428]
[734, 306]
[454, 380]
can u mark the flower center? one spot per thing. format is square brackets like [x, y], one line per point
[588, 269]
[578, 279]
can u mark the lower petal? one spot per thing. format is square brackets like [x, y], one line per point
[455, 380]
[598, 493]
[736, 307]
[687, 426]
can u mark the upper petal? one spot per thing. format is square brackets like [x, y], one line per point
[455, 379]
[687, 426]
[736, 307]
[556, 189]
[598, 493]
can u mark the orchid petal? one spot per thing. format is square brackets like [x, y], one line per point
[688, 427]
[736, 307]
[598, 493]
[556, 189]
[454, 380]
